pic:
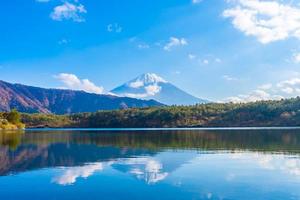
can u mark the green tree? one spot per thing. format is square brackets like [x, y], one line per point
[14, 117]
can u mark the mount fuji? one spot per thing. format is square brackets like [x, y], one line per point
[151, 86]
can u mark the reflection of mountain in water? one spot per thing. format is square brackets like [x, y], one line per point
[152, 169]
[147, 169]
[130, 152]
[30, 157]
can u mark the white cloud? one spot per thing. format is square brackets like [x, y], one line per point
[268, 21]
[143, 46]
[70, 175]
[229, 78]
[73, 82]
[205, 61]
[114, 28]
[68, 11]
[296, 58]
[152, 89]
[263, 92]
[192, 56]
[196, 1]
[283, 89]
[256, 95]
[287, 90]
[218, 60]
[173, 42]
[290, 82]
[136, 84]
[291, 86]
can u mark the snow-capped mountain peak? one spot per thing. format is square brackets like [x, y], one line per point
[145, 80]
[152, 86]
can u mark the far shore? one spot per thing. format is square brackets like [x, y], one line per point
[160, 129]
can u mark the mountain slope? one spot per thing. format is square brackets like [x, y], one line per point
[151, 86]
[33, 99]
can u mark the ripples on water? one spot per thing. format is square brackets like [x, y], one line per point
[169, 164]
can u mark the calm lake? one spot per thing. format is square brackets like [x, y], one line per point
[150, 164]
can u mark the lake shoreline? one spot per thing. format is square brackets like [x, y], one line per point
[162, 129]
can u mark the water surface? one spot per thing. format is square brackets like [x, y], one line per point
[150, 164]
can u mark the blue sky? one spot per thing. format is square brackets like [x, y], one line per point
[221, 50]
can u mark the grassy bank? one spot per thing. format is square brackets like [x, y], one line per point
[11, 121]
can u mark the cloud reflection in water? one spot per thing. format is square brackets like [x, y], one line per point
[147, 169]
[70, 175]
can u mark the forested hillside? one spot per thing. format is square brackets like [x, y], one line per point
[264, 113]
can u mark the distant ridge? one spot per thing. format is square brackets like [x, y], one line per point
[34, 99]
[152, 86]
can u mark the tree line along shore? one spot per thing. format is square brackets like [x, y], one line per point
[255, 114]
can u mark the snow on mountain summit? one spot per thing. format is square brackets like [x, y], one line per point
[152, 86]
[145, 79]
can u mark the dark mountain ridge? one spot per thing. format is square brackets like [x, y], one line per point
[34, 99]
